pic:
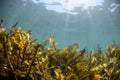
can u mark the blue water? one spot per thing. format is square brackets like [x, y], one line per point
[98, 25]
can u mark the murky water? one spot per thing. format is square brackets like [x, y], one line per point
[69, 22]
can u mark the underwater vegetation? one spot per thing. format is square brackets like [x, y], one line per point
[22, 58]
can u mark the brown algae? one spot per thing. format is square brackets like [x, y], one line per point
[23, 58]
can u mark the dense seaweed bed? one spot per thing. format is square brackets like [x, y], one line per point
[22, 58]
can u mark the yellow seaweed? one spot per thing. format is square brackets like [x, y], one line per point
[23, 58]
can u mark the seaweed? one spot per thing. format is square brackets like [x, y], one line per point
[22, 58]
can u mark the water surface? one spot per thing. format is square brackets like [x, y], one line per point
[88, 22]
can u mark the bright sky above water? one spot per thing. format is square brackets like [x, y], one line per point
[68, 6]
